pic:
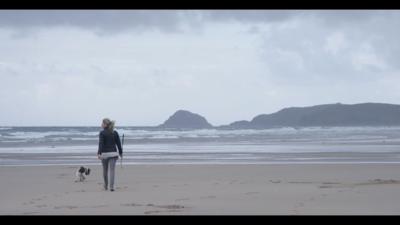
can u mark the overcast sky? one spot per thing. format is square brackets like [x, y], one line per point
[74, 68]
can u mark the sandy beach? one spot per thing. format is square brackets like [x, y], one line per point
[306, 189]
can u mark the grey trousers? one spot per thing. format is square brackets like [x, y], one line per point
[109, 162]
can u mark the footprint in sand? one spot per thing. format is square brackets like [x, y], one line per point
[122, 188]
[380, 181]
[331, 183]
[29, 203]
[182, 199]
[29, 213]
[275, 181]
[131, 204]
[99, 206]
[167, 206]
[299, 205]
[151, 212]
[325, 186]
[57, 195]
[208, 197]
[65, 207]
[170, 206]
[63, 175]
[157, 211]
[300, 182]
[251, 193]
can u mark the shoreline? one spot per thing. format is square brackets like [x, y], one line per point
[211, 164]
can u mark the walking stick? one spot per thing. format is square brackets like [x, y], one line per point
[123, 135]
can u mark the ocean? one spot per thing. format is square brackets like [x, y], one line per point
[149, 145]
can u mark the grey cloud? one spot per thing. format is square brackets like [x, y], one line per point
[165, 20]
[345, 17]
[261, 16]
[111, 20]
[114, 19]
[331, 18]
[302, 58]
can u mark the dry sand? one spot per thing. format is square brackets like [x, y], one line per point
[338, 189]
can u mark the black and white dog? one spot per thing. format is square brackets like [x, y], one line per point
[81, 173]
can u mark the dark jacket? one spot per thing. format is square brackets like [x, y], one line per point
[108, 142]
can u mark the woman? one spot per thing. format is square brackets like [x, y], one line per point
[108, 140]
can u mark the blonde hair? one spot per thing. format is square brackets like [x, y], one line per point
[109, 124]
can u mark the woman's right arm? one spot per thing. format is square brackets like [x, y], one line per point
[118, 142]
[101, 142]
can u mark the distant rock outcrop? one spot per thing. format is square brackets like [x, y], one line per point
[186, 120]
[240, 124]
[365, 114]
